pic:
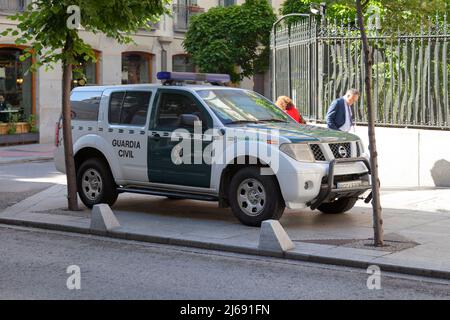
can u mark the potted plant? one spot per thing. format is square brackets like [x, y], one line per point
[32, 124]
[12, 125]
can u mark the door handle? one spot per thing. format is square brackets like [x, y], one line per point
[155, 136]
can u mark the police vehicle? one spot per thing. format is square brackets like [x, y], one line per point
[209, 142]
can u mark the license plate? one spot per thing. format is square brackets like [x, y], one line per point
[349, 184]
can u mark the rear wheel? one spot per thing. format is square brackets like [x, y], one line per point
[339, 206]
[95, 183]
[254, 197]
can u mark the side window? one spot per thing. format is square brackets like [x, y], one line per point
[129, 107]
[135, 107]
[171, 106]
[115, 105]
[85, 105]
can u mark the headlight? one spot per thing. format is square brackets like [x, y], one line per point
[362, 149]
[298, 151]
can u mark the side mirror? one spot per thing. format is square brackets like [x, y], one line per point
[188, 120]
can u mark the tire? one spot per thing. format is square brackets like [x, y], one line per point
[249, 190]
[95, 183]
[339, 206]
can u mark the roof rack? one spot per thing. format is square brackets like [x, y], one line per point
[180, 78]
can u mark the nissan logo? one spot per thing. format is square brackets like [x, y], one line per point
[342, 152]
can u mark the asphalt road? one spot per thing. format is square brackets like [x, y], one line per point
[19, 181]
[33, 265]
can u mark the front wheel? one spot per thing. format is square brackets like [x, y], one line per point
[254, 197]
[339, 206]
[95, 183]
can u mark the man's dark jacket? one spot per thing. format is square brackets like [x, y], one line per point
[336, 114]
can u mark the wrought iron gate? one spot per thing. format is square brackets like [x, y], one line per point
[315, 61]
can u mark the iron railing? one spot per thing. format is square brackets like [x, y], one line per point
[182, 13]
[317, 61]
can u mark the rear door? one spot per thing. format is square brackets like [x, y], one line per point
[169, 105]
[126, 131]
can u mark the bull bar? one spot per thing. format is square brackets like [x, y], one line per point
[327, 191]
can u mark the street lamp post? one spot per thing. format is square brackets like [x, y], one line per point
[318, 8]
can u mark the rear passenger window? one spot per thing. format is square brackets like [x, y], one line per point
[129, 107]
[135, 107]
[84, 105]
[115, 104]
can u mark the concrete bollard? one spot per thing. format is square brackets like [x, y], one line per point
[103, 219]
[273, 238]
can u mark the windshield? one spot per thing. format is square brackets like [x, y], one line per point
[240, 106]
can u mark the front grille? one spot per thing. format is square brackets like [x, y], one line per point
[341, 150]
[318, 154]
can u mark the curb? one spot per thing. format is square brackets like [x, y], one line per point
[27, 160]
[118, 234]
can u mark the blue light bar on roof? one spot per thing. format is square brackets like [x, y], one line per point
[191, 76]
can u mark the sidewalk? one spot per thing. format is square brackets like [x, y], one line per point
[26, 152]
[416, 226]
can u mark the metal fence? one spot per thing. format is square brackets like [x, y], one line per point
[315, 62]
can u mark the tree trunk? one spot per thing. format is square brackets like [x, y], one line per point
[376, 205]
[67, 130]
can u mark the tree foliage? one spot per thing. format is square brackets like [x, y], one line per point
[342, 10]
[44, 27]
[225, 38]
[403, 15]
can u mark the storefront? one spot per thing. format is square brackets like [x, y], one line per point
[17, 103]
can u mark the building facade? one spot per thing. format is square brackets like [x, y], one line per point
[38, 96]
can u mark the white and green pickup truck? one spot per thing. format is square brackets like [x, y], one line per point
[209, 142]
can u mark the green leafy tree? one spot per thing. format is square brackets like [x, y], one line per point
[232, 40]
[402, 15]
[335, 9]
[47, 28]
[395, 15]
[398, 15]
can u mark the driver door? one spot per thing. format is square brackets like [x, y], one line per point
[170, 105]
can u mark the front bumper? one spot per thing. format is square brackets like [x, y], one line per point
[329, 190]
[305, 184]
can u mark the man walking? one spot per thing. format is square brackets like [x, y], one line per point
[340, 115]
